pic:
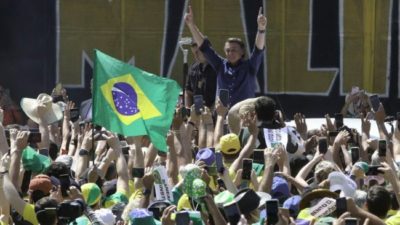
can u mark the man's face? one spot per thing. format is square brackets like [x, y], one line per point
[233, 52]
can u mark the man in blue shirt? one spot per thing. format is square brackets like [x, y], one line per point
[234, 72]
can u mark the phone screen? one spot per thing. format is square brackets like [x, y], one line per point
[373, 170]
[182, 218]
[219, 163]
[247, 167]
[224, 97]
[258, 156]
[350, 221]
[44, 152]
[338, 120]
[34, 137]
[382, 148]
[355, 154]
[322, 145]
[232, 212]
[272, 211]
[198, 103]
[221, 183]
[138, 172]
[58, 98]
[74, 114]
[341, 206]
[374, 99]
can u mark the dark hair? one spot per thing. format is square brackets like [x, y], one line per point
[239, 42]
[63, 173]
[265, 108]
[378, 201]
[37, 195]
[46, 211]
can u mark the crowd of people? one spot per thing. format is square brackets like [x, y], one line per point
[230, 160]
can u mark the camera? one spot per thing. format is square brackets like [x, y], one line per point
[70, 210]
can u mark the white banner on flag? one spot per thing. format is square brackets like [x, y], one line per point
[161, 185]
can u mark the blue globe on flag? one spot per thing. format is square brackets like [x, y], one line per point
[125, 99]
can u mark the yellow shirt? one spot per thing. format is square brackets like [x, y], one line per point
[29, 214]
[394, 220]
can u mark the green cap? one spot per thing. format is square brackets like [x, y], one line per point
[33, 161]
[223, 198]
[362, 165]
[199, 188]
[325, 221]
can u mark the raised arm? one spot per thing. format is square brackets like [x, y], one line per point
[197, 35]
[262, 25]
[249, 146]
[19, 141]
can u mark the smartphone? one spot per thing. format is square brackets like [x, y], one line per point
[247, 167]
[374, 99]
[58, 98]
[341, 206]
[323, 145]
[232, 212]
[7, 133]
[272, 211]
[333, 134]
[198, 103]
[224, 97]
[221, 183]
[44, 152]
[338, 120]
[355, 154]
[182, 218]
[398, 120]
[35, 137]
[382, 148]
[138, 172]
[219, 163]
[185, 112]
[74, 114]
[98, 133]
[351, 221]
[373, 170]
[125, 150]
[258, 156]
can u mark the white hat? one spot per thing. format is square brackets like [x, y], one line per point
[53, 111]
[339, 181]
[105, 215]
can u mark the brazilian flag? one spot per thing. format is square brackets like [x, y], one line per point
[132, 102]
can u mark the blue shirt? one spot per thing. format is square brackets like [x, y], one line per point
[239, 79]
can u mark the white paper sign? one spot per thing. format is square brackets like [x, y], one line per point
[324, 207]
[276, 136]
[161, 185]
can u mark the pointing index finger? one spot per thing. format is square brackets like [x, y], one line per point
[260, 11]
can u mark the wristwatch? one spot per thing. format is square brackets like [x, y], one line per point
[83, 152]
[146, 192]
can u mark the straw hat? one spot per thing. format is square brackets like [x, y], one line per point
[53, 112]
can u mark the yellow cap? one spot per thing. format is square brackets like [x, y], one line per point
[229, 144]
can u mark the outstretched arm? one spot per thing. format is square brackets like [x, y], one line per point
[197, 35]
[262, 25]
